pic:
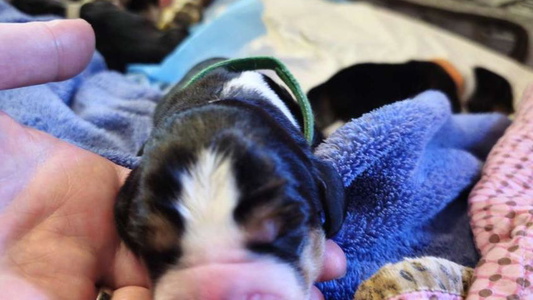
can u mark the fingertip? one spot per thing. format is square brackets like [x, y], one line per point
[75, 42]
[39, 52]
[334, 262]
[316, 294]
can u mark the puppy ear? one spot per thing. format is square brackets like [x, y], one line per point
[331, 196]
[144, 226]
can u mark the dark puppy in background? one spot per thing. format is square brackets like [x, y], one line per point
[124, 37]
[40, 7]
[493, 93]
[146, 8]
[126, 30]
[228, 201]
[361, 88]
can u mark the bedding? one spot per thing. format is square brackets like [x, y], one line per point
[407, 167]
[501, 213]
[493, 25]
[420, 278]
[349, 33]
[316, 38]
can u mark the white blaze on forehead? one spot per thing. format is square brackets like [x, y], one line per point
[207, 202]
[254, 81]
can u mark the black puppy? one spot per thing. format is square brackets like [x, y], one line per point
[59, 7]
[125, 33]
[40, 7]
[360, 88]
[124, 37]
[229, 201]
[493, 93]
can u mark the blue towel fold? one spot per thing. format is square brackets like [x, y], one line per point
[408, 167]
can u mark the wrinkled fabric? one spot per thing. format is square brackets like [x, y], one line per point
[407, 168]
[501, 210]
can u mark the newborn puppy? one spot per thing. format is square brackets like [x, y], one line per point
[229, 201]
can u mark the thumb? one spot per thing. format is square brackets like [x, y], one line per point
[39, 52]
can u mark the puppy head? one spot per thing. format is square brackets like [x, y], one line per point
[228, 213]
[222, 209]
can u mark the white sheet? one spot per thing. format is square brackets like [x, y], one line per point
[316, 38]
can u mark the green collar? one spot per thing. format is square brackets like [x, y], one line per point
[268, 63]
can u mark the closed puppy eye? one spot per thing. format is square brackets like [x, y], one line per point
[262, 227]
[270, 223]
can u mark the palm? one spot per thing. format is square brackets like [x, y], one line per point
[59, 239]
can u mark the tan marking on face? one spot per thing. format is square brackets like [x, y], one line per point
[161, 234]
[313, 256]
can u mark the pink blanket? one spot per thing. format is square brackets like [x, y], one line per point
[501, 211]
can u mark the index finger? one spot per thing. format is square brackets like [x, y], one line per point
[39, 52]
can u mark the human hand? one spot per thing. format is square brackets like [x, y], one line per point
[58, 238]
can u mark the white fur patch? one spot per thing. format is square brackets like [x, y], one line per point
[207, 202]
[254, 81]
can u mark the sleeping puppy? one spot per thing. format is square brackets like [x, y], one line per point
[361, 88]
[228, 201]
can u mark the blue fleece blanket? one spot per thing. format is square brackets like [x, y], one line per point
[406, 166]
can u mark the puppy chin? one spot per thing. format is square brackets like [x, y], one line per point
[252, 277]
[264, 279]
